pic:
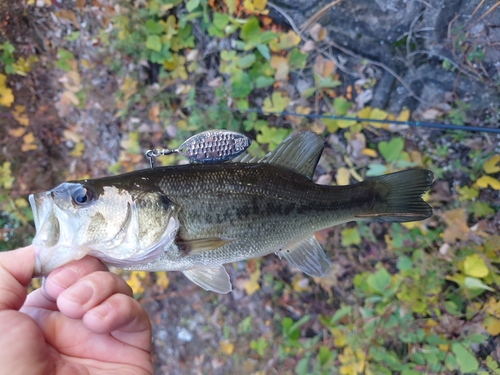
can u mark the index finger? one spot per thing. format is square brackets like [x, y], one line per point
[61, 279]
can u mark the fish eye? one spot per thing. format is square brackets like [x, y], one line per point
[82, 196]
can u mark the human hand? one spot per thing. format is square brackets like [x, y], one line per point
[82, 321]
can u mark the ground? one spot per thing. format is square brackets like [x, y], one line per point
[91, 85]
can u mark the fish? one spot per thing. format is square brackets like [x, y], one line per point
[195, 218]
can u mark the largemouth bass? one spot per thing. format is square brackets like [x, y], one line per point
[195, 218]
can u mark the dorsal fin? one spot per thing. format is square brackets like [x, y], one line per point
[299, 152]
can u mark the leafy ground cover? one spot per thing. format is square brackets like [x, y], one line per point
[87, 86]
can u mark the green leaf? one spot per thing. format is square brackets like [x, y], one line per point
[473, 283]
[390, 150]
[376, 170]
[250, 31]
[379, 281]
[404, 263]
[220, 20]
[339, 314]
[482, 209]
[302, 367]
[466, 361]
[276, 103]
[264, 51]
[241, 84]
[324, 355]
[246, 61]
[192, 5]
[340, 105]
[153, 27]
[350, 236]
[296, 58]
[326, 82]
[263, 81]
[153, 43]
[73, 36]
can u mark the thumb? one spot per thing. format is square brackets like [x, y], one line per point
[16, 270]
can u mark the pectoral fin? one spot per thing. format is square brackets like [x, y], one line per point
[191, 247]
[214, 278]
[308, 256]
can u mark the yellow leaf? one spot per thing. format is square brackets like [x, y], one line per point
[369, 152]
[342, 176]
[226, 347]
[303, 110]
[252, 284]
[490, 166]
[28, 147]
[135, 282]
[17, 132]
[19, 112]
[300, 283]
[6, 97]
[492, 325]
[404, 115]
[129, 87]
[256, 6]
[485, 181]
[378, 114]
[29, 138]
[339, 337]
[78, 150]
[162, 279]
[474, 266]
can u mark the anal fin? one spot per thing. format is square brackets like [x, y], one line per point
[213, 279]
[308, 256]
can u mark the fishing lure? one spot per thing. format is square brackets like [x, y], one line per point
[211, 146]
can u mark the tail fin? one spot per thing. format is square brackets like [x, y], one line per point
[398, 196]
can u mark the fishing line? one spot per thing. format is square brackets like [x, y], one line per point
[314, 116]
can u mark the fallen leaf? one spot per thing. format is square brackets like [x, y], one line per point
[6, 96]
[226, 347]
[491, 165]
[162, 279]
[485, 181]
[456, 222]
[342, 176]
[20, 116]
[154, 113]
[64, 104]
[16, 132]
[474, 266]
[252, 284]
[317, 32]
[28, 142]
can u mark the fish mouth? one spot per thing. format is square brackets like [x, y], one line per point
[51, 251]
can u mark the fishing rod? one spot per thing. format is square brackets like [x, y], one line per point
[315, 116]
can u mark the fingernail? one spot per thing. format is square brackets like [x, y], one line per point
[80, 293]
[65, 277]
[102, 310]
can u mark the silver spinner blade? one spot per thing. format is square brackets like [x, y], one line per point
[214, 146]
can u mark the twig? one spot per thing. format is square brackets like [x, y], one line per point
[383, 66]
[317, 16]
[288, 18]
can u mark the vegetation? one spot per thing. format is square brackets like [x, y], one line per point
[409, 299]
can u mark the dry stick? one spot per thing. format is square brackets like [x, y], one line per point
[317, 16]
[383, 66]
[475, 10]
